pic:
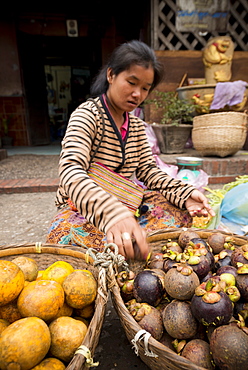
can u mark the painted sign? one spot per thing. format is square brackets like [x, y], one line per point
[202, 15]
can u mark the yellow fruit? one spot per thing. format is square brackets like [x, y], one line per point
[24, 344]
[40, 275]
[87, 312]
[50, 364]
[67, 335]
[65, 310]
[87, 323]
[3, 325]
[10, 312]
[11, 281]
[28, 266]
[80, 289]
[41, 298]
[58, 271]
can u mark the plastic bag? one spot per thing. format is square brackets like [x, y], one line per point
[170, 169]
[234, 208]
[152, 139]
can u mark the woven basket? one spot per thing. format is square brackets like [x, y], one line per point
[219, 134]
[165, 358]
[45, 255]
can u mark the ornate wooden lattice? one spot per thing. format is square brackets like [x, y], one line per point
[166, 37]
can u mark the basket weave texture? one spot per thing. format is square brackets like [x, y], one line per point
[164, 357]
[219, 134]
[45, 255]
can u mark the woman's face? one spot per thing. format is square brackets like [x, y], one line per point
[129, 88]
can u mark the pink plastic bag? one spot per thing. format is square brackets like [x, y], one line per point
[152, 139]
[170, 169]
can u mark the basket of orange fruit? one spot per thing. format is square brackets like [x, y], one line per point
[52, 306]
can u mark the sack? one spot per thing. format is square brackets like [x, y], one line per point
[129, 193]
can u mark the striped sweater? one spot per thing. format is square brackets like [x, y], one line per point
[133, 155]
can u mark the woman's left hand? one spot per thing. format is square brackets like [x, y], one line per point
[197, 205]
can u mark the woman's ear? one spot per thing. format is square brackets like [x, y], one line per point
[109, 75]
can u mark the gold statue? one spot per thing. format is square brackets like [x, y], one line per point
[217, 58]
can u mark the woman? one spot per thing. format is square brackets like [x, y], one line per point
[93, 216]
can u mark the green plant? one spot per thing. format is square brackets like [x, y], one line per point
[5, 121]
[174, 111]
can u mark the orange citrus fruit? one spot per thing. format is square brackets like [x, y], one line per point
[41, 298]
[58, 271]
[11, 281]
[80, 289]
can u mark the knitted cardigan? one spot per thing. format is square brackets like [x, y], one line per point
[131, 156]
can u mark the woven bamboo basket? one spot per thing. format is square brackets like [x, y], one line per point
[154, 354]
[45, 255]
[219, 134]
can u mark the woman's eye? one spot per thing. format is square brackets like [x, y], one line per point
[131, 83]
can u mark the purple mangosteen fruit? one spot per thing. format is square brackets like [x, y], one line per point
[223, 258]
[240, 255]
[228, 269]
[210, 305]
[185, 236]
[148, 287]
[242, 281]
[198, 352]
[219, 241]
[178, 320]
[229, 347]
[148, 317]
[181, 281]
[125, 281]
[155, 260]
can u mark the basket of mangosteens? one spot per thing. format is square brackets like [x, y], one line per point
[186, 307]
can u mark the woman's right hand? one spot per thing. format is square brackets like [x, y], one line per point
[126, 234]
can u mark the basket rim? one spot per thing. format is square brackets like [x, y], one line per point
[221, 114]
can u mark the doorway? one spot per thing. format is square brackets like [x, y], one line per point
[57, 73]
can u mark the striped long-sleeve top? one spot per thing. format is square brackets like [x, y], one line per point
[133, 155]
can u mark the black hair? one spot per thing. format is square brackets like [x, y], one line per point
[123, 57]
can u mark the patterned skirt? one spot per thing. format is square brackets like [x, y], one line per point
[70, 227]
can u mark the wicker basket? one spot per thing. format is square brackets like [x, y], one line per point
[45, 255]
[219, 134]
[155, 355]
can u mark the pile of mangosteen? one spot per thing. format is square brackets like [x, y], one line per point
[192, 296]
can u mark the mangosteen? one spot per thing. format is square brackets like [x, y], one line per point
[242, 281]
[228, 269]
[181, 281]
[168, 264]
[240, 255]
[229, 347]
[167, 341]
[198, 257]
[172, 246]
[198, 352]
[178, 320]
[125, 281]
[200, 244]
[156, 260]
[241, 308]
[148, 317]
[210, 305]
[186, 236]
[148, 287]
[219, 241]
[223, 258]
